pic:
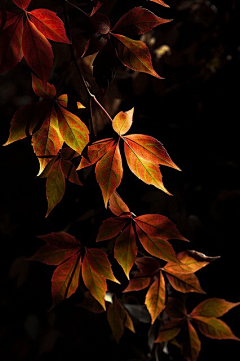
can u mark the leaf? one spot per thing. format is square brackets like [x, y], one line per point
[156, 247]
[123, 121]
[95, 152]
[97, 5]
[45, 91]
[69, 171]
[169, 331]
[147, 265]
[155, 297]
[101, 23]
[23, 4]
[110, 228]
[37, 51]
[49, 24]
[187, 264]
[213, 307]
[148, 148]
[125, 249]
[47, 141]
[73, 130]
[160, 2]
[65, 279]
[214, 328]
[100, 263]
[117, 206]
[191, 345]
[94, 282]
[109, 172]
[60, 246]
[11, 52]
[134, 54]
[138, 21]
[158, 226]
[63, 100]
[184, 282]
[26, 119]
[138, 283]
[176, 308]
[55, 186]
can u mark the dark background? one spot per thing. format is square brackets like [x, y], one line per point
[194, 112]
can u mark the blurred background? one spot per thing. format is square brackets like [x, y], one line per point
[194, 112]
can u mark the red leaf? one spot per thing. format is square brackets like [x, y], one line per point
[155, 297]
[73, 130]
[176, 308]
[37, 51]
[94, 282]
[11, 52]
[100, 263]
[23, 4]
[147, 265]
[149, 148]
[60, 246]
[134, 54]
[138, 21]
[47, 141]
[138, 283]
[169, 331]
[49, 24]
[159, 248]
[125, 250]
[95, 152]
[158, 226]
[109, 172]
[214, 328]
[26, 119]
[160, 2]
[191, 345]
[184, 282]
[65, 279]
[117, 206]
[45, 91]
[213, 307]
[110, 228]
[55, 186]
[123, 121]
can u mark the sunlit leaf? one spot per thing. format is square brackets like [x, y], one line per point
[155, 297]
[55, 186]
[138, 283]
[63, 100]
[213, 307]
[98, 260]
[123, 121]
[43, 90]
[214, 328]
[117, 206]
[95, 152]
[184, 282]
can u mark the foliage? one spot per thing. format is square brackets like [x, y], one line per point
[65, 145]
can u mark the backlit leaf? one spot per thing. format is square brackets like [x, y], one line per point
[187, 264]
[155, 297]
[109, 172]
[95, 151]
[160, 2]
[117, 206]
[110, 228]
[94, 282]
[37, 51]
[170, 330]
[55, 186]
[49, 24]
[100, 263]
[137, 21]
[158, 226]
[65, 279]
[159, 248]
[191, 345]
[123, 121]
[63, 100]
[213, 307]
[214, 328]
[134, 54]
[138, 283]
[11, 52]
[184, 282]
[45, 91]
[73, 130]
[125, 250]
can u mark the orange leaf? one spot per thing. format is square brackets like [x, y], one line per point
[55, 186]
[138, 283]
[213, 307]
[109, 172]
[37, 51]
[125, 249]
[134, 54]
[214, 328]
[117, 206]
[169, 331]
[160, 2]
[95, 152]
[184, 282]
[45, 91]
[155, 297]
[65, 279]
[100, 263]
[63, 100]
[123, 121]
[110, 228]
[187, 264]
[73, 130]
